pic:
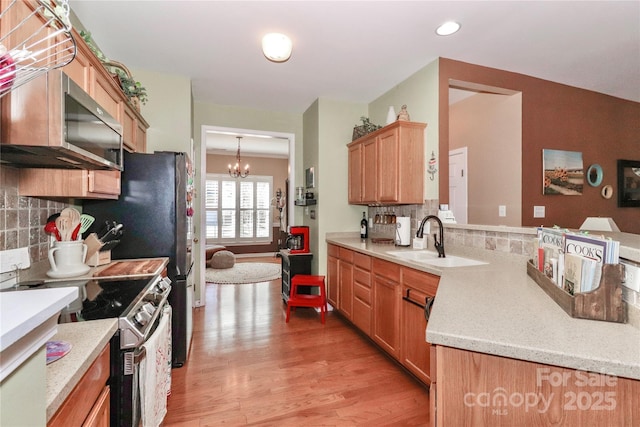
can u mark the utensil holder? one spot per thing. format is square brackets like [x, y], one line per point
[603, 303]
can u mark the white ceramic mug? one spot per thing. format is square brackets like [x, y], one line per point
[67, 255]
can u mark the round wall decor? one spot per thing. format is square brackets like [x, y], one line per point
[594, 175]
[607, 191]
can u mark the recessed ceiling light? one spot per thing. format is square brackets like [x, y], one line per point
[276, 47]
[447, 28]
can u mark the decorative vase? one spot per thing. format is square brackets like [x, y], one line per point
[391, 115]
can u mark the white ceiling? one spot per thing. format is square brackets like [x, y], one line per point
[355, 51]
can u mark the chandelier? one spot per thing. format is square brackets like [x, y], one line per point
[235, 171]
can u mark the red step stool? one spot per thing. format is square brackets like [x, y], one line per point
[304, 300]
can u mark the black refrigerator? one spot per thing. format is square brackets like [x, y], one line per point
[153, 209]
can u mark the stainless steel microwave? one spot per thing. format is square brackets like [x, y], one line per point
[73, 131]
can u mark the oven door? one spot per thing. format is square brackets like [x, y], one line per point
[146, 378]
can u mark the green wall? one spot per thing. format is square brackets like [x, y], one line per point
[419, 93]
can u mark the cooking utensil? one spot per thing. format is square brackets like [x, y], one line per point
[76, 231]
[50, 227]
[62, 224]
[86, 220]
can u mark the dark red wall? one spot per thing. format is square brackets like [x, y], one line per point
[560, 117]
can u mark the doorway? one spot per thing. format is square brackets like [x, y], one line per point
[255, 143]
[458, 197]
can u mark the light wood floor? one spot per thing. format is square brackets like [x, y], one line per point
[248, 367]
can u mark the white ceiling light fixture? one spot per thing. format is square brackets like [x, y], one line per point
[448, 28]
[277, 47]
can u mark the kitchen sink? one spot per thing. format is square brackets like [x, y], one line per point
[431, 258]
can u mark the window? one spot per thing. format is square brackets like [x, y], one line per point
[238, 210]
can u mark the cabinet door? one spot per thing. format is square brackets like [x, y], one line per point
[388, 167]
[386, 307]
[332, 281]
[128, 128]
[100, 413]
[355, 173]
[345, 295]
[362, 313]
[141, 137]
[104, 182]
[82, 184]
[415, 350]
[107, 96]
[370, 171]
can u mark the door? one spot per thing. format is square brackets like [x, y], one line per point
[458, 184]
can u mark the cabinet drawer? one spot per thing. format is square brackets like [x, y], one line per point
[346, 255]
[362, 293]
[104, 182]
[424, 282]
[386, 269]
[333, 250]
[361, 260]
[362, 277]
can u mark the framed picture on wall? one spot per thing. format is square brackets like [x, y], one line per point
[562, 172]
[628, 183]
[309, 178]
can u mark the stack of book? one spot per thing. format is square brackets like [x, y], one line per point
[572, 260]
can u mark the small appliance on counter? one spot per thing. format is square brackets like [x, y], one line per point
[403, 231]
[298, 240]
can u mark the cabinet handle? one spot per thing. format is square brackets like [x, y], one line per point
[407, 298]
[428, 303]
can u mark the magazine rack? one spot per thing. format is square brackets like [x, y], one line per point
[603, 303]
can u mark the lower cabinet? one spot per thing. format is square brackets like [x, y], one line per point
[386, 301]
[486, 390]
[88, 402]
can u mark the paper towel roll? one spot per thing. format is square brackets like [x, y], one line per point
[403, 231]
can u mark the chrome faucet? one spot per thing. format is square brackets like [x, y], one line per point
[439, 245]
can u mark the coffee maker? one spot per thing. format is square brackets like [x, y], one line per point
[298, 240]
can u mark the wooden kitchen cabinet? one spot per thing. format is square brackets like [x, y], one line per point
[332, 275]
[391, 164]
[345, 282]
[362, 294]
[88, 403]
[417, 287]
[486, 390]
[386, 306]
[75, 183]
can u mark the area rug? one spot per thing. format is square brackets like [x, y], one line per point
[244, 272]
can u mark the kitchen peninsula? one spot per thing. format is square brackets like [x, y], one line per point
[494, 325]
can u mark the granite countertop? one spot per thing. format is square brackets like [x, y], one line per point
[88, 339]
[496, 308]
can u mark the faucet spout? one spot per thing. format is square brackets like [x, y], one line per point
[438, 243]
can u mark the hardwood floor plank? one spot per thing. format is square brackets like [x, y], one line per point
[248, 367]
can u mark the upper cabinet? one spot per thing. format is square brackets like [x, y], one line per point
[34, 133]
[387, 166]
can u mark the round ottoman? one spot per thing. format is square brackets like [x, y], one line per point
[222, 259]
[212, 249]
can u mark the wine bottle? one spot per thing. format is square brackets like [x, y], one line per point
[364, 226]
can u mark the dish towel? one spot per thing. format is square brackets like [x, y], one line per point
[155, 373]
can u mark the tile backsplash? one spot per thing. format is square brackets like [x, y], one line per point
[22, 219]
[505, 240]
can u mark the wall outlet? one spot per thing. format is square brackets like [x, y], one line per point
[502, 210]
[538, 211]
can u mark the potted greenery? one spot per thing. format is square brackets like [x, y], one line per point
[133, 89]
